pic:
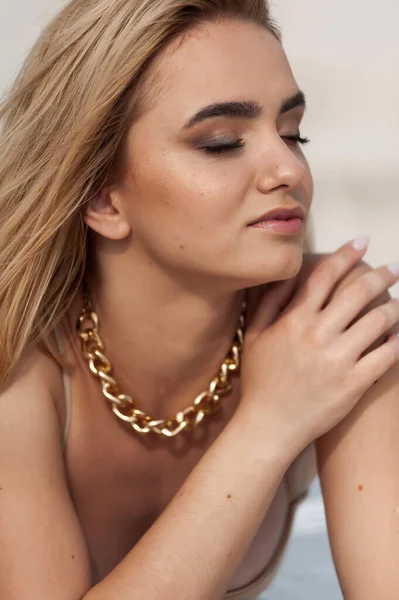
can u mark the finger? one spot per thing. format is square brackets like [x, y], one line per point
[272, 303]
[372, 326]
[318, 287]
[348, 303]
[375, 364]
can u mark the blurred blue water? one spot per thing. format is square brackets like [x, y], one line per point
[307, 572]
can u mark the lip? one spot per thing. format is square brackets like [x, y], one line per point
[289, 227]
[281, 213]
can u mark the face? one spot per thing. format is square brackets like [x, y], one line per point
[191, 190]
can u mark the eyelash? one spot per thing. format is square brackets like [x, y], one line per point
[225, 148]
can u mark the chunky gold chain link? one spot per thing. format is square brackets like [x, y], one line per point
[123, 406]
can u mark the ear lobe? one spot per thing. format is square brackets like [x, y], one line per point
[103, 216]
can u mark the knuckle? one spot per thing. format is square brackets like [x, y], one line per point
[336, 361]
[392, 352]
[354, 279]
[291, 321]
[392, 306]
[381, 317]
[316, 337]
[362, 290]
[389, 354]
[324, 274]
[375, 280]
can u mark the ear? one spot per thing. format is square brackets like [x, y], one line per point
[105, 215]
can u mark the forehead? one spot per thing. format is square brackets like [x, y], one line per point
[219, 62]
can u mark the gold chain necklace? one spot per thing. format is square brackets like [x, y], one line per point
[123, 405]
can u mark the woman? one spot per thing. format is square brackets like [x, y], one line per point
[146, 147]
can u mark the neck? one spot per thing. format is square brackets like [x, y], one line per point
[165, 343]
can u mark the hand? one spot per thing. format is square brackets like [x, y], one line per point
[302, 368]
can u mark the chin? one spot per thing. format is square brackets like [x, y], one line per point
[278, 267]
[242, 271]
[256, 278]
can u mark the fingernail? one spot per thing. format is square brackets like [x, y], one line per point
[394, 268]
[361, 243]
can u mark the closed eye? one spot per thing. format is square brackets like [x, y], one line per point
[297, 138]
[231, 147]
[223, 148]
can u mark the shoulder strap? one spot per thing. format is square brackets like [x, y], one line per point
[67, 391]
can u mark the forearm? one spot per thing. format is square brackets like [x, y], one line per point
[194, 547]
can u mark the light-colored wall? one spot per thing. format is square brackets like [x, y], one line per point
[345, 56]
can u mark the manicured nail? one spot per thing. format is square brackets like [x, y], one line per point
[394, 268]
[361, 243]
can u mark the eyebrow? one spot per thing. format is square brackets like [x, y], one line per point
[247, 109]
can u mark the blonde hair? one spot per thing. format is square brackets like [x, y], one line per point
[64, 123]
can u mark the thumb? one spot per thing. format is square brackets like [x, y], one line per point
[271, 304]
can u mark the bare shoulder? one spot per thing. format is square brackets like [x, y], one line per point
[36, 366]
[37, 516]
[36, 376]
[27, 398]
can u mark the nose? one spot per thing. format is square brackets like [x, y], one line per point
[283, 165]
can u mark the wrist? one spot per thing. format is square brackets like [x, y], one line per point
[268, 439]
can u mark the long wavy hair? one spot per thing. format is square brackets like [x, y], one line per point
[63, 126]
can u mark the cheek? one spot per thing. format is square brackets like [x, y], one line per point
[308, 186]
[307, 183]
[185, 190]
[184, 214]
